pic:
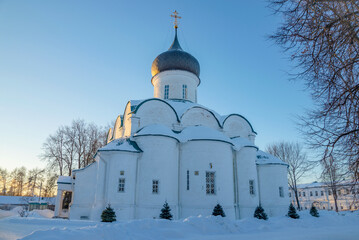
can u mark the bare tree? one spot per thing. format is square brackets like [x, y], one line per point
[332, 175]
[53, 151]
[73, 146]
[3, 180]
[322, 38]
[17, 181]
[50, 185]
[293, 154]
[35, 180]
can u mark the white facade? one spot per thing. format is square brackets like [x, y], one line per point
[169, 148]
[321, 195]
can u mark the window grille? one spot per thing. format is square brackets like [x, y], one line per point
[251, 187]
[155, 184]
[210, 183]
[121, 185]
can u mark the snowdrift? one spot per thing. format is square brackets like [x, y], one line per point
[329, 226]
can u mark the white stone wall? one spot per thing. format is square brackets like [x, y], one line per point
[84, 192]
[159, 161]
[246, 171]
[205, 156]
[271, 177]
[175, 79]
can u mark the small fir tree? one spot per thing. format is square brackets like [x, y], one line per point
[108, 215]
[292, 212]
[260, 214]
[313, 211]
[166, 212]
[218, 211]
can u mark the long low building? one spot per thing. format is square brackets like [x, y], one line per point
[321, 195]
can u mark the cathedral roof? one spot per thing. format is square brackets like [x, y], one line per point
[123, 144]
[192, 133]
[180, 107]
[175, 59]
[264, 158]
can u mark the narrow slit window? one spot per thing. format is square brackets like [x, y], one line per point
[187, 179]
[184, 91]
[167, 91]
[155, 186]
[251, 187]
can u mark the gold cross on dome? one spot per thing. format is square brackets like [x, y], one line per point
[175, 16]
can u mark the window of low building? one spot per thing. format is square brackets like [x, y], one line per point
[303, 194]
[321, 193]
[310, 193]
[299, 193]
[316, 193]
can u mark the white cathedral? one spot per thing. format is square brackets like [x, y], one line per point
[170, 148]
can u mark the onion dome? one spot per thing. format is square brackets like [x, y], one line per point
[175, 59]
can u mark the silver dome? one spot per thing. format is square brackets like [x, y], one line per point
[175, 59]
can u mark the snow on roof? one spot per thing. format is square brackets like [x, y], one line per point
[64, 179]
[316, 184]
[193, 133]
[180, 107]
[124, 144]
[240, 142]
[18, 200]
[264, 158]
[203, 133]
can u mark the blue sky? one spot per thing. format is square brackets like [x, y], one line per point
[65, 60]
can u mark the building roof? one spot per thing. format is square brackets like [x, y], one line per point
[64, 180]
[264, 158]
[175, 59]
[180, 107]
[121, 144]
[193, 133]
[19, 200]
[316, 184]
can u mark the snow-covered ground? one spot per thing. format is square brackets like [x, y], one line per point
[328, 226]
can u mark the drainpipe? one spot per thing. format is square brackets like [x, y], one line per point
[179, 182]
[104, 193]
[136, 183]
[235, 183]
[259, 186]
